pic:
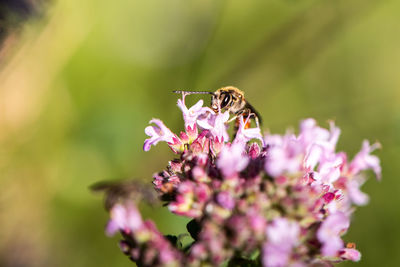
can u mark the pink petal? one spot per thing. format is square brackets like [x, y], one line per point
[364, 160]
[232, 160]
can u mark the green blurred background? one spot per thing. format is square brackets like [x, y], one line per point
[80, 80]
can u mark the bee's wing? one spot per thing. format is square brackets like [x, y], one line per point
[125, 190]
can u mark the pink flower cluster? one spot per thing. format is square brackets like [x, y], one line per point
[274, 200]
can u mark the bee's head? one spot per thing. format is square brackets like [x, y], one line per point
[225, 97]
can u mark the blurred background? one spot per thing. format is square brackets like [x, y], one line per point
[79, 81]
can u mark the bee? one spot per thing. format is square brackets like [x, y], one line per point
[124, 190]
[230, 99]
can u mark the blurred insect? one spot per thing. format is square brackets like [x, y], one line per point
[231, 99]
[125, 190]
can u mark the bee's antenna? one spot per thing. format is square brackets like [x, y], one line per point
[193, 92]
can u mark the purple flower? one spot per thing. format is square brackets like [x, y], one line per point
[282, 237]
[355, 194]
[330, 231]
[216, 125]
[161, 133]
[125, 218]
[364, 160]
[254, 151]
[190, 199]
[284, 154]
[201, 145]
[244, 135]
[350, 254]
[310, 134]
[232, 160]
[148, 247]
[329, 170]
[226, 200]
[191, 115]
[319, 144]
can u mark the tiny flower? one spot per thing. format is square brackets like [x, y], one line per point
[216, 125]
[190, 116]
[364, 160]
[319, 143]
[244, 135]
[254, 151]
[217, 145]
[330, 231]
[201, 144]
[240, 234]
[311, 133]
[198, 251]
[329, 170]
[125, 218]
[328, 197]
[350, 254]
[190, 199]
[355, 194]
[175, 166]
[161, 133]
[213, 240]
[184, 138]
[226, 200]
[199, 174]
[282, 237]
[283, 155]
[257, 223]
[232, 160]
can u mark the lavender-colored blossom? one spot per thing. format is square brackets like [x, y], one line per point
[364, 160]
[244, 135]
[310, 133]
[319, 144]
[161, 133]
[355, 194]
[190, 199]
[330, 231]
[329, 170]
[226, 200]
[191, 115]
[282, 236]
[232, 160]
[287, 202]
[201, 145]
[284, 154]
[216, 125]
[125, 218]
[350, 254]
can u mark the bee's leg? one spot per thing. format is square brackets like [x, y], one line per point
[254, 115]
[232, 119]
[238, 114]
[248, 117]
[236, 126]
[256, 120]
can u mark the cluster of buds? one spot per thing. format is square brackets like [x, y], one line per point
[273, 200]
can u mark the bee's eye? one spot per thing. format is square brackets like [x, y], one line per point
[226, 100]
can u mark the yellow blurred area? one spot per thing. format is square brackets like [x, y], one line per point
[79, 85]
